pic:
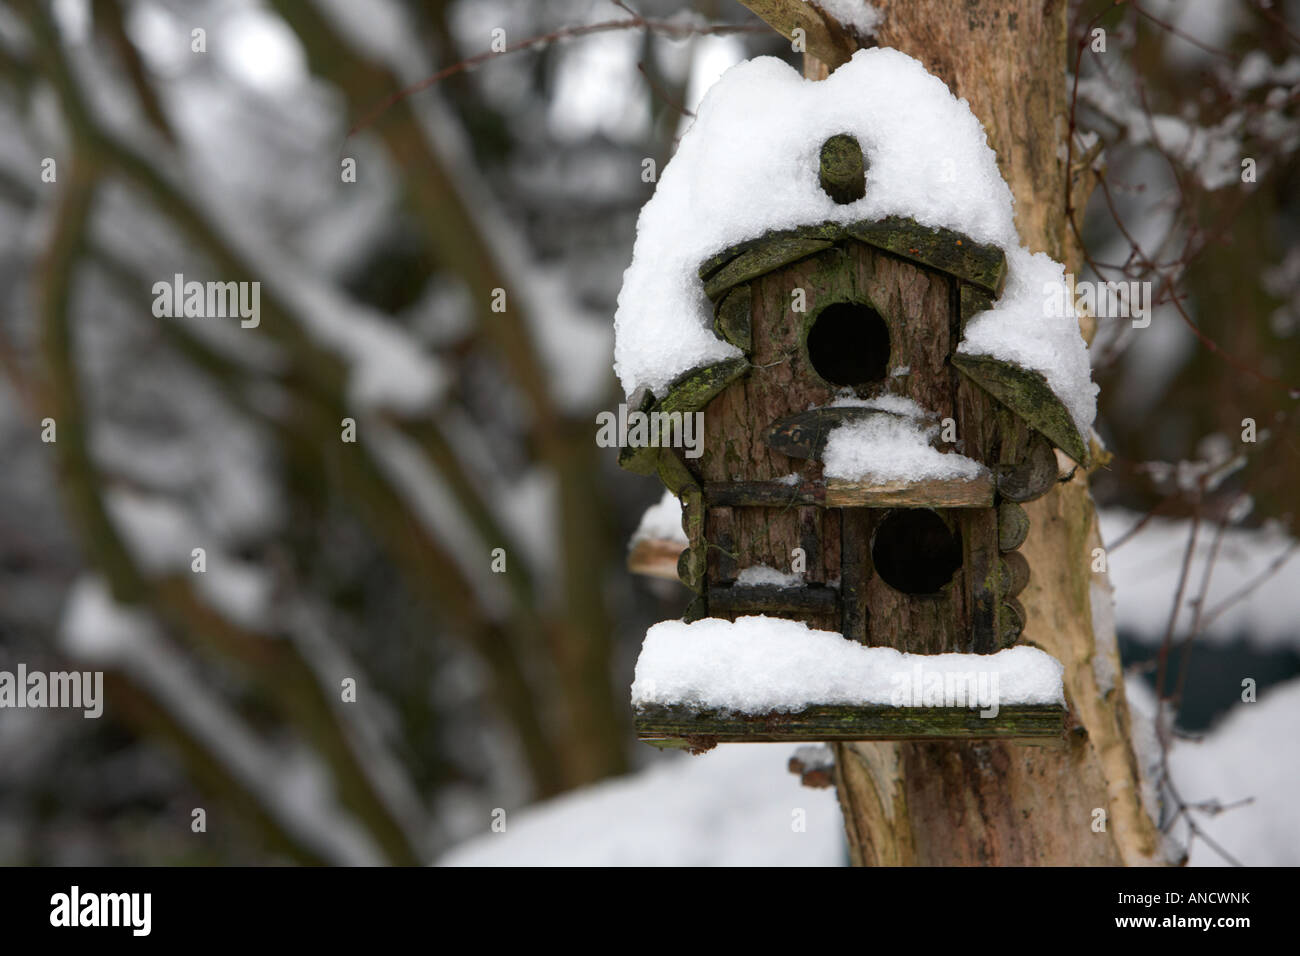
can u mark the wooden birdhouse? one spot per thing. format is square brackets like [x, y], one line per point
[859, 473]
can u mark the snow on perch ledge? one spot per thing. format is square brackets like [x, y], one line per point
[761, 678]
[827, 280]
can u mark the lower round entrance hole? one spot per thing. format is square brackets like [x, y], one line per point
[848, 344]
[915, 552]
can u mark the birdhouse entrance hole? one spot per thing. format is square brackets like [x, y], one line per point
[848, 344]
[915, 551]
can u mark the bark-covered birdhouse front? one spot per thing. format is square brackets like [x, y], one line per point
[862, 471]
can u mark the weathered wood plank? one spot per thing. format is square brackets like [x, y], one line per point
[704, 729]
[767, 599]
[980, 574]
[842, 493]
[855, 572]
[804, 434]
[934, 493]
[722, 545]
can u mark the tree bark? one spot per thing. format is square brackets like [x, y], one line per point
[996, 803]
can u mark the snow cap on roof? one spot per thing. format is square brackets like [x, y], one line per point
[749, 165]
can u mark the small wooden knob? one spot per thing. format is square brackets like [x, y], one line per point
[843, 169]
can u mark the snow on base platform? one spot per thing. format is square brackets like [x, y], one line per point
[760, 678]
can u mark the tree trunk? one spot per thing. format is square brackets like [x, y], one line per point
[997, 803]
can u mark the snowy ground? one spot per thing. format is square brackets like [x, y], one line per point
[737, 805]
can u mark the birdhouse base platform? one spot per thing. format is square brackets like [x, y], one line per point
[670, 727]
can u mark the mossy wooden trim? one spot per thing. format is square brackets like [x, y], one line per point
[692, 562]
[855, 571]
[827, 231]
[770, 599]
[842, 169]
[1026, 393]
[721, 527]
[1011, 621]
[641, 460]
[804, 435]
[700, 730]
[1015, 573]
[981, 577]
[778, 251]
[973, 301]
[1033, 475]
[1013, 526]
[980, 264]
[673, 472]
[689, 393]
[732, 322]
[695, 389]
[933, 493]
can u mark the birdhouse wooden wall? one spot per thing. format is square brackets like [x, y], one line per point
[919, 566]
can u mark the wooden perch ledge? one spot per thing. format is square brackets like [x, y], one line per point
[681, 728]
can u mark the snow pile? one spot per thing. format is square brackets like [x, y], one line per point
[1254, 589]
[894, 447]
[733, 809]
[857, 15]
[760, 575]
[759, 664]
[662, 521]
[749, 164]
[1020, 328]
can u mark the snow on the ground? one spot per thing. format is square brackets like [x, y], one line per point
[1144, 572]
[749, 164]
[1252, 754]
[736, 806]
[662, 521]
[894, 447]
[758, 664]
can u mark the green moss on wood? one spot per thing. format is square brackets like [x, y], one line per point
[983, 266]
[843, 722]
[772, 255]
[732, 321]
[843, 172]
[1013, 526]
[974, 300]
[951, 252]
[1026, 393]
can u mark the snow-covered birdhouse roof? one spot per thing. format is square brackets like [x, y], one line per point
[746, 194]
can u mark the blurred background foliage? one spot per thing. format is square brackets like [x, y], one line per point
[372, 560]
